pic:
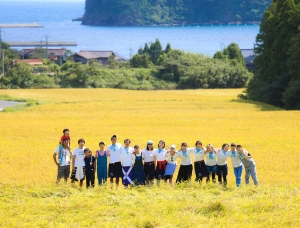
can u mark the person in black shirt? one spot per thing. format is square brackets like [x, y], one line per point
[90, 168]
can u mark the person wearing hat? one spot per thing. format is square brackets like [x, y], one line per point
[236, 163]
[249, 164]
[171, 164]
[78, 164]
[114, 167]
[64, 165]
[90, 168]
[148, 157]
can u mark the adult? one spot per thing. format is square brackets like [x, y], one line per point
[101, 164]
[78, 164]
[211, 163]
[222, 168]
[128, 160]
[63, 170]
[114, 167]
[199, 164]
[249, 164]
[160, 161]
[149, 167]
[138, 167]
[236, 163]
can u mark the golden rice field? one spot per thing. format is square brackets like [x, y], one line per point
[28, 137]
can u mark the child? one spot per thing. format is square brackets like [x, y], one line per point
[249, 164]
[171, 164]
[138, 168]
[90, 168]
[149, 169]
[199, 164]
[78, 164]
[160, 159]
[101, 164]
[236, 163]
[114, 167]
[128, 160]
[211, 163]
[186, 167]
[222, 168]
[66, 135]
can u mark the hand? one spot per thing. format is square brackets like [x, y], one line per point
[57, 164]
[73, 168]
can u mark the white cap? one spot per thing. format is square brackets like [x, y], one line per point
[150, 142]
[173, 146]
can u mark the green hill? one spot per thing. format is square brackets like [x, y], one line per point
[160, 12]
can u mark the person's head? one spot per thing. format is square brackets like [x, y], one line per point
[113, 139]
[161, 144]
[172, 148]
[127, 142]
[136, 149]
[150, 145]
[239, 148]
[233, 146]
[209, 147]
[183, 146]
[87, 152]
[81, 142]
[198, 144]
[101, 145]
[65, 142]
[66, 131]
[225, 146]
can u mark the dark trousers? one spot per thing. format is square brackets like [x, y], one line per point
[90, 178]
[213, 176]
[222, 171]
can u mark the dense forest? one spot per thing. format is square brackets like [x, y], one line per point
[277, 75]
[172, 12]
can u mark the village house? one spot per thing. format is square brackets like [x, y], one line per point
[100, 56]
[53, 53]
[249, 56]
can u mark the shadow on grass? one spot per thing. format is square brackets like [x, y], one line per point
[261, 106]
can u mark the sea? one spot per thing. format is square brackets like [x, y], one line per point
[56, 17]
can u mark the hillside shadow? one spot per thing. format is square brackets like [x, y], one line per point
[261, 106]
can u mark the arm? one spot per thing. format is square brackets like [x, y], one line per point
[154, 162]
[54, 158]
[94, 164]
[133, 158]
[73, 162]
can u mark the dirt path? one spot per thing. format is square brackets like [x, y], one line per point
[5, 104]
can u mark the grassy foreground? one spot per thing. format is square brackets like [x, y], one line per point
[30, 198]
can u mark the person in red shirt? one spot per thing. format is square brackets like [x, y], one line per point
[66, 135]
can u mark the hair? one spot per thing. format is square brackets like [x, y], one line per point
[66, 129]
[233, 144]
[101, 143]
[114, 136]
[147, 147]
[184, 144]
[209, 145]
[162, 142]
[225, 144]
[127, 140]
[239, 146]
[87, 149]
[136, 147]
[81, 140]
[198, 142]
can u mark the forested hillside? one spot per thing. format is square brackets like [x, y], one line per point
[158, 12]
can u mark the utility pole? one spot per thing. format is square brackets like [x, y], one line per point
[130, 52]
[2, 47]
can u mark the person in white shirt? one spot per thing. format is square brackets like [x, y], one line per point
[171, 164]
[199, 164]
[236, 163]
[78, 164]
[149, 168]
[249, 164]
[63, 168]
[160, 158]
[222, 168]
[211, 163]
[186, 167]
[114, 167]
[128, 159]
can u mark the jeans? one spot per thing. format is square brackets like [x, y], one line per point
[251, 171]
[238, 173]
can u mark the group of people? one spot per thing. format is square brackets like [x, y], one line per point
[141, 167]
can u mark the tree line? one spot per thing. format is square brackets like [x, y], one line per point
[276, 78]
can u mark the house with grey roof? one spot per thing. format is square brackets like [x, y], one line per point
[249, 57]
[99, 56]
